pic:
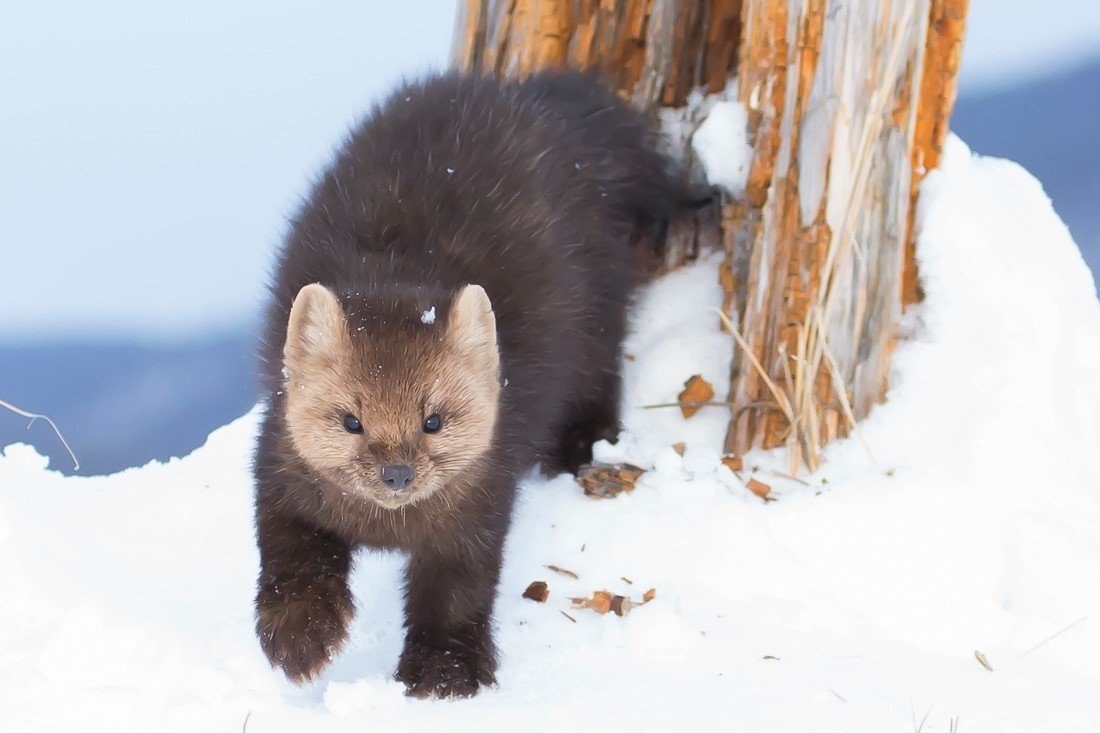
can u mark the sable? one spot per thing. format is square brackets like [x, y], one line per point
[447, 312]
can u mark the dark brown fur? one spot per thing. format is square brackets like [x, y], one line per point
[533, 191]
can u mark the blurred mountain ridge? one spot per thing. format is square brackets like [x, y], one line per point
[1052, 128]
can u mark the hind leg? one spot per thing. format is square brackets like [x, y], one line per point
[595, 419]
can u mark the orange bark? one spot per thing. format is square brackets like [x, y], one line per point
[938, 90]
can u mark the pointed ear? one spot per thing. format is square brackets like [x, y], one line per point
[472, 327]
[316, 326]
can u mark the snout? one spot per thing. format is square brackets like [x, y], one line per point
[396, 476]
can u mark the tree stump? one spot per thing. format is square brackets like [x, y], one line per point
[848, 104]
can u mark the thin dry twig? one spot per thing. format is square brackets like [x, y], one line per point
[690, 403]
[1052, 637]
[562, 571]
[780, 398]
[784, 474]
[35, 416]
[782, 401]
[919, 728]
[841, 392]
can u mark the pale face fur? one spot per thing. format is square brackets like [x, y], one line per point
[391, 383]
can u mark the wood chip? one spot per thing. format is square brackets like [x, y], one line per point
[604, 481]
[696, 389]
[679, 448]
[982, 660]
[538, 591]
[621, 605]
[603, 601]
[759, 488]
[629, 357]
[600, 602]
[562, 571]
[626, 580]
[733, 463]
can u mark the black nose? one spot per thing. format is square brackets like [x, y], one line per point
[397, 476]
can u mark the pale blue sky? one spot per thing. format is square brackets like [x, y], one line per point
[150, 152]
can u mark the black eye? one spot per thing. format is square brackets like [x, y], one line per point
[352, 424]
[433, 423]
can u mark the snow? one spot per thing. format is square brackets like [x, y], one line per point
[854, 602]
[428, 316]
[722, 147]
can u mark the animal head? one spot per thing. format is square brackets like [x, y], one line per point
[391, 408]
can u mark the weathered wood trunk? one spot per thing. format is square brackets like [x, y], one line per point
[655, 51]
[848, 104]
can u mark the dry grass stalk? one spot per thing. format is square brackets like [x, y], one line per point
[562, 571]
[780, 398]
[795, 436]
[32, 416]
[696, 391]
[1052, 637]
[689, 403]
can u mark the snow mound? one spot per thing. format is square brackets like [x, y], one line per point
[856, 601]
[722, 147]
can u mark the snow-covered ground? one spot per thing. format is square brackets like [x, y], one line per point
[854, 602]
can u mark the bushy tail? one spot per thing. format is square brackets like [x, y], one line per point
[620, 147]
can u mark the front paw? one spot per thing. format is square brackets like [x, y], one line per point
[446, 670]
[302, 628]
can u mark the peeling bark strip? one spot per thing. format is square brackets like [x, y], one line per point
[938, 90]
[848, 107]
